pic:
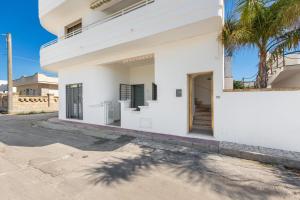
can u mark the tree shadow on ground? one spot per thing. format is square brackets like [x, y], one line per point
[193, 169]
[121, 169]
[102, 144]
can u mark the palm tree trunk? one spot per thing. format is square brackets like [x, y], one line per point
[263, 71]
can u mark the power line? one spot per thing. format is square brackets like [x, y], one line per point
[25, 58]
[22, 58]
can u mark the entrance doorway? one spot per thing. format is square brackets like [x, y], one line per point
[201, 103]
[138, 96]
[74, 101]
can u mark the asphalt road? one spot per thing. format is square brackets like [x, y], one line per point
[38, 163]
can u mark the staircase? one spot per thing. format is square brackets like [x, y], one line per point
[202, 120]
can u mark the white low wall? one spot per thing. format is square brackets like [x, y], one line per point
[269, 119]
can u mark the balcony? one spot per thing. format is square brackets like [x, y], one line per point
[143, 24]
[46, 6]
[106, 19]
[285, 72]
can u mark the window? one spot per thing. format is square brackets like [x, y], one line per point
[154, 92]
[74, 101]
[125, 92]
[73, 29]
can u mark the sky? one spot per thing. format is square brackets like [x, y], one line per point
[245, 61]
[21, 19]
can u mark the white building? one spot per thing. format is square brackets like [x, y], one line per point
[36, 85]
[157, 66]
[3, 86]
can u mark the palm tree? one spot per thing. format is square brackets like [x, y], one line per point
[269, 25]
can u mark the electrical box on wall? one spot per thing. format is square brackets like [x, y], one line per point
[178, 92]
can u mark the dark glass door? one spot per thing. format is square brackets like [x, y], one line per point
[74, 101]
[138, 96]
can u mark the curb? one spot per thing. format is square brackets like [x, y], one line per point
[287, 159]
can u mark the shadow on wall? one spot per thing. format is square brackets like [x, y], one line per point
[195, 170]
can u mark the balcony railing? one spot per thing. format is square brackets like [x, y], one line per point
[287, 59]
[106, 19]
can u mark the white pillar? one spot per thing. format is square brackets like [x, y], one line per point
[228, 79]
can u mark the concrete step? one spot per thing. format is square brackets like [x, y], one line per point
[202, 123]
[202, 110]
[202, 105]
[202, 120]
[202, 114]
[202, 127]
[203, 117]
[198, 102]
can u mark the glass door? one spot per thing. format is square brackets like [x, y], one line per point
[74, 101]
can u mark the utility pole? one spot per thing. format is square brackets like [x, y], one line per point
[9, 74]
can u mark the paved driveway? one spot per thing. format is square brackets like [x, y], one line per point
[38, 163]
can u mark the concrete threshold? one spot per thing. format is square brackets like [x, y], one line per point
[288, 159]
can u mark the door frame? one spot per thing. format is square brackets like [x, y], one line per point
[70, 102]
[190, 78]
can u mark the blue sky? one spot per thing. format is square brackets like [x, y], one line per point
[21, 19]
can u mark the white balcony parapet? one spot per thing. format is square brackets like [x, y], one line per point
[283, 63]
[106, 19]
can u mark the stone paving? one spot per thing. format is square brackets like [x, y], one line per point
[38, 162]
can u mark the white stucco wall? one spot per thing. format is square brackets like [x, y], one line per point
[173, 63]
[143, 75]
[269, 119]
[100, 84]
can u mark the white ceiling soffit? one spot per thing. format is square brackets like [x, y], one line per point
[103, 4]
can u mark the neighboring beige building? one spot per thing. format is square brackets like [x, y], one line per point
[36, 85]
[36, 93]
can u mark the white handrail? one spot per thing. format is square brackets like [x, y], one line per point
[106, 19]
